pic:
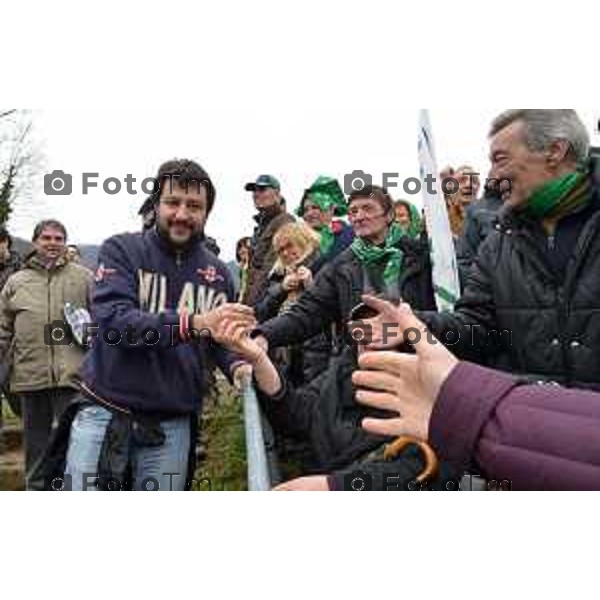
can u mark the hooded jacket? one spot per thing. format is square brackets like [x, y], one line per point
[143, 285]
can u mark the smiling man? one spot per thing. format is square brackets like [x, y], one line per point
[142, 381]
[537, 275]
[34, 345]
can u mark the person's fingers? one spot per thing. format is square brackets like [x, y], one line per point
[381, 306]
[386, 427]
[391, 362]
[241, 332]
[242, 319]
[378, 381]
[242, 322]
[416, 333]
[235, 316]
[240, 309]
[226, 331]
[378, 400]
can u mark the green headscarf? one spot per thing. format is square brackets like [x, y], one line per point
[559, 197]
[415, 228]
[369, 254]
[325, 192]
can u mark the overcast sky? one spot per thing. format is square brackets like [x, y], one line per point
[234, 146]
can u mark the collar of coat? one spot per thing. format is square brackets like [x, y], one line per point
[33, 261]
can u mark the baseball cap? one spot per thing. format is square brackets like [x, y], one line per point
[264, 181]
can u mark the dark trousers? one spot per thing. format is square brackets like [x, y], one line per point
[41, 412]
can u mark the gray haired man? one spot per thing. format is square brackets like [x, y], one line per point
[532, 299]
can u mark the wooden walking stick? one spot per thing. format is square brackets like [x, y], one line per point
[432, 465]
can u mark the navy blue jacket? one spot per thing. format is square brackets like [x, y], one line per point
[143, 284]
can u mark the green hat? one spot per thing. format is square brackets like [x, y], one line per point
[325, 192]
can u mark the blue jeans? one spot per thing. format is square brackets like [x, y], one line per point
[161, 468]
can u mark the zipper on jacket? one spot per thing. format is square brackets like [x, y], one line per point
[52, 352]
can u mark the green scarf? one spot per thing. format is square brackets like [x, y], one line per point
[369, 254]
[327, 239]
[560, 197]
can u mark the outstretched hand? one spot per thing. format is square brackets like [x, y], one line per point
[408, 385]
[233, 334]
[383, 332]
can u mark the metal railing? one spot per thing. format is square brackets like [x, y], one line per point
[259, 479]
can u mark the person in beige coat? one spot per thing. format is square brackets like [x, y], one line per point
[37, 349]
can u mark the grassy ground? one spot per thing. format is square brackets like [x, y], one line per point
[223, 438]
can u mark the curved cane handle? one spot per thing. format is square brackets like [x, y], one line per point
[432, 465]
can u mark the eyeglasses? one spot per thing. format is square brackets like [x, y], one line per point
[192, 206]
[371, 212]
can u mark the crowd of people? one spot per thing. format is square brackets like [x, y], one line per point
[109, 372]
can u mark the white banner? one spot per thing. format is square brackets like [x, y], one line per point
[443, 254]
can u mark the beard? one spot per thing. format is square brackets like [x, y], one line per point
[178, 234]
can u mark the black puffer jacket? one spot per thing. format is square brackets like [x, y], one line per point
[338, 289]
[544, 291]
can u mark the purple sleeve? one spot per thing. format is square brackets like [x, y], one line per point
[538, 437]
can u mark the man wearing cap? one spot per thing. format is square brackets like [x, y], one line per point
[323, 201]
[266, 191]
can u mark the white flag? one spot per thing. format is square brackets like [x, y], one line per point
[443, 254]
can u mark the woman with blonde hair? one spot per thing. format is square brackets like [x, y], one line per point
[298, 259]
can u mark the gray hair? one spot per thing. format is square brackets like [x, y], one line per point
[544, 126]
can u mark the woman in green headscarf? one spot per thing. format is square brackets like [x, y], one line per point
[408, 218]
[321, 202]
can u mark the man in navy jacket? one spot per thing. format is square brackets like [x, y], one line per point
[142, 379]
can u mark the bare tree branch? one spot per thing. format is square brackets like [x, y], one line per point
[6, 113]
[17, 161]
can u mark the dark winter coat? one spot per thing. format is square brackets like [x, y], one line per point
[338, 289]
[268, 223]
[532, 303]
